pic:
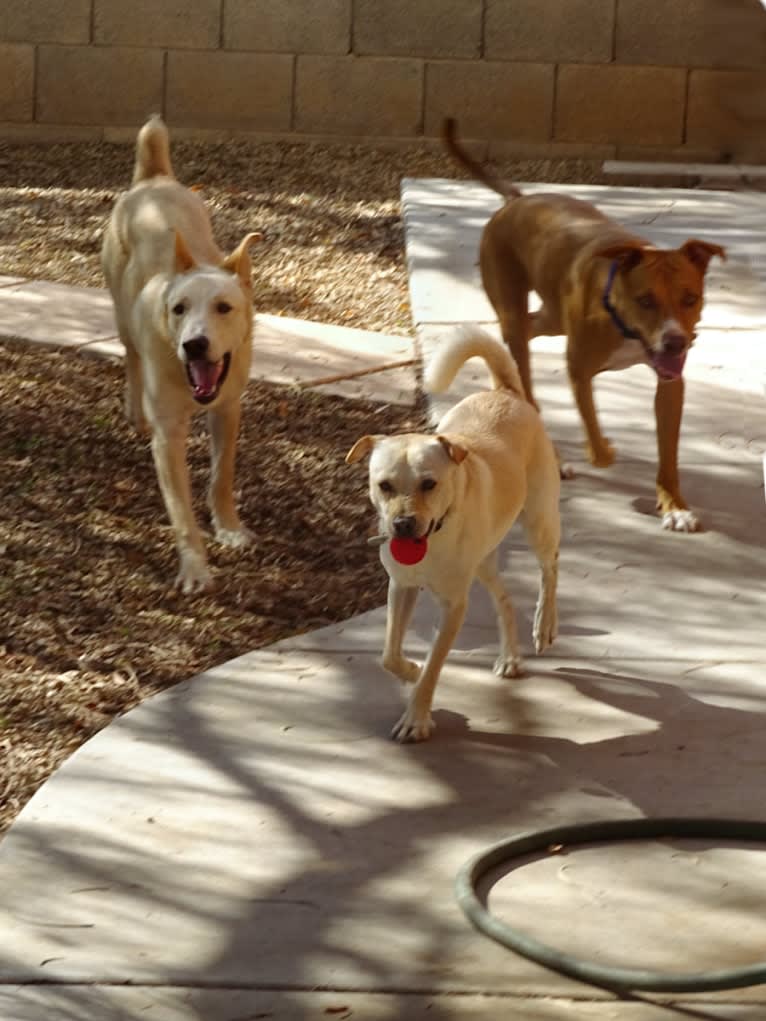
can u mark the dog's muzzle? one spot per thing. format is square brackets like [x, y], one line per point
[668, 362]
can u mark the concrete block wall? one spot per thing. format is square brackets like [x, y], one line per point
[664, 78]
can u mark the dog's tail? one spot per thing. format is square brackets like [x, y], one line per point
[471, 342]
[474, 168]
[152, 150]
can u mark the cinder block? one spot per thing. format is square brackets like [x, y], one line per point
[491, 99]
[176, 23]
[418, 28]
[53, 133]
[238, 91]
[300, 26]
[554, 31]
[17, 83]
[691, 33]
[613, 104]
[45, 21]
[97, 85]
[727, 111]
[358, 96]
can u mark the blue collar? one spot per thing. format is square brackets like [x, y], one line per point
[628, 332]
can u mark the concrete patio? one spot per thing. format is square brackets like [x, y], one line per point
[249, 844]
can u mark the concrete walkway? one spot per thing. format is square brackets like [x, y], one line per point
[249, 844]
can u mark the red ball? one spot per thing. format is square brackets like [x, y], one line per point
[408, 551]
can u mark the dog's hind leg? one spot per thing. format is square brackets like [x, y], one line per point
[401, 603]
[134, 386]
[507, 285]
[223, 423]
[542, 524]
[509, 663]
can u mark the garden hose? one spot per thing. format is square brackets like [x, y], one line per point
[612, 978]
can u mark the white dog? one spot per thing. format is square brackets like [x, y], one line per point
[185, 315]
[461, 490]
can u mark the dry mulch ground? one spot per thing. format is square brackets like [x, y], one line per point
[89, 624]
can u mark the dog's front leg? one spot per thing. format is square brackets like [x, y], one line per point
[416, 723]
[668, 408]
[223, 423]
[401, 603]
[169, 450]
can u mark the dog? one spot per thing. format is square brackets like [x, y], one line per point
[461, 490]
[619, 300]
[185, 317]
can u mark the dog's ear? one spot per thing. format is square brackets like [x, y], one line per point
[701, 252]
[627, 253]
[239, 260]
[361, 448]
[184, 258]
[454, 451]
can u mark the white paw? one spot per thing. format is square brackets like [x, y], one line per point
[566, 471]
[413, 726]
[233, 537]
[545, 627]
[508, 666]
[406, 670]
[194, 574]
[680, 521]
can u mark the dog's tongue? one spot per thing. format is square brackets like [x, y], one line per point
[669, 366]
[205, 376]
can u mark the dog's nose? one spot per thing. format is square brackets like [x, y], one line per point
[196, 347]
[675, 342]
[404, 526]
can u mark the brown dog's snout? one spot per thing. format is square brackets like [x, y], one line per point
[196, 347]
[675, 342]
[405, 526]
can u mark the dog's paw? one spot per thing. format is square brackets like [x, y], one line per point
[566, 471]
[406, 670]
[601, 456]
[413, 726]
[545, 627]
[508, 666]
[194, 574]
[234, 538]
[681, 521]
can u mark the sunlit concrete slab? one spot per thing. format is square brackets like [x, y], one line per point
[56, 315]
[333, 358]
[255, 828]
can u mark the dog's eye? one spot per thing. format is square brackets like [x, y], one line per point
[646, 300]
[223, 307]
[179, 309]
[385, 486]
[427, 484]
[690, 299]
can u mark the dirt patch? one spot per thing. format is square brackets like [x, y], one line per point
[89, 623]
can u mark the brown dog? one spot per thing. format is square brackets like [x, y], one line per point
[618, 300]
